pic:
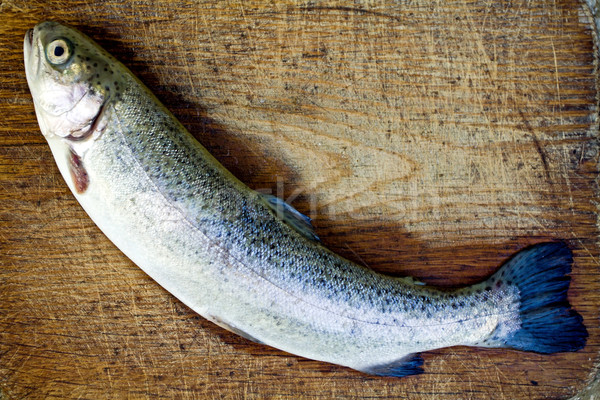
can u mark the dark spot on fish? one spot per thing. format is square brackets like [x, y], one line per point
[78, 173]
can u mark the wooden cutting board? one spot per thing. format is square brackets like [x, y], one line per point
[424, 138]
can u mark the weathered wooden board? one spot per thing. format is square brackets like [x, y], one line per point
[425, 138]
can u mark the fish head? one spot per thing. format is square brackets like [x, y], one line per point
[67, 74]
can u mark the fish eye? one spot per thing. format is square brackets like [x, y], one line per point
[58, 52]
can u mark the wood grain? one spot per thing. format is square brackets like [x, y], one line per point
[424, 138]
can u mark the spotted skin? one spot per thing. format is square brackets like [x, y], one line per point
[221, 249]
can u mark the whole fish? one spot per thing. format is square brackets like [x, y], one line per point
[250, 262]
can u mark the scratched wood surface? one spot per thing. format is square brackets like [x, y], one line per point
[425, 138]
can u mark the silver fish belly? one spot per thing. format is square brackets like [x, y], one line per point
[248, 262]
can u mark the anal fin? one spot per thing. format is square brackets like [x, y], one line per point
[218, 321]
[409, 365]
[291, 216]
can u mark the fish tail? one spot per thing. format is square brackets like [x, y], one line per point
[546, 322]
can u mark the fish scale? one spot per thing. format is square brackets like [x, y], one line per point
[250, 262]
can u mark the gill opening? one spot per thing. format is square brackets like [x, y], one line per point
[94, 126]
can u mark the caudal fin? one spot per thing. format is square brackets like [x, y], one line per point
[548, 324]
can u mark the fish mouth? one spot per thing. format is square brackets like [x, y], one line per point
[28, 46]
[28, 42]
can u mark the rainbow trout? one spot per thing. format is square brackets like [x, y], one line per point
[250, 262]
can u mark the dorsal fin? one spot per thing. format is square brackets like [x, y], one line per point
[291, 216]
